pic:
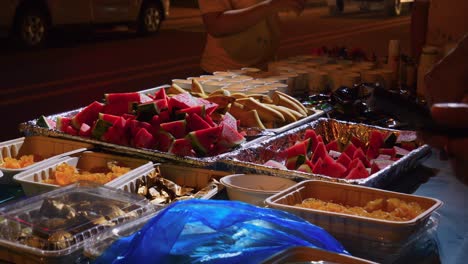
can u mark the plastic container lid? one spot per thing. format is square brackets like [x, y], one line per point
[56, 223]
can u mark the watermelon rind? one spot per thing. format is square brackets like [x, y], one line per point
[204, 139]
[100, 127]
[45, 122]
[88, 115]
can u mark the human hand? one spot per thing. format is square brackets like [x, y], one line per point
[297, 6]
[451, 115]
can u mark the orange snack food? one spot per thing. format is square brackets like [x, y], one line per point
[392, 209]
[66, 174]
[13, 163]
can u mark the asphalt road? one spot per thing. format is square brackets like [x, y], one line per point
[79, 67]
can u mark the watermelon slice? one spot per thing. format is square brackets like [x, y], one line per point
[203, 140]
[128, 116]
[146, 111]
[182, 101]
[376, 139]
[176, 128]
[118, 109]
[99, 128]
[344, 160]
[359, 154]
[117, 136]
[331, 168]
[350, 149]
[108, 117]
[199, 110]
[144, 139]
[125, 98]
[320, 152]
[210, 107]
[196, 122]
[372, 153]
[275, 164]
[164, 140]
[88, 115]
[358, 172]
[310, 133]
[294, 162]
[160, 94]
[85, 130]
[229, 120]
[332, 145]
[71, 131]
[297, 149]
[182, 147]
[209, 121]
[318, 166]
[305, 168]
[45, 122]
[62, 123]
[229, 137]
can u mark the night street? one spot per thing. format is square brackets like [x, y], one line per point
[79, 67]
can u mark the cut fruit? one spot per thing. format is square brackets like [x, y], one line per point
[196, 122]
[376, 139]
[144, 139]
[62, 123]
[203, 140]
[344, 160]
[88, 115]
[358, 172]
[85, 130]
[99, 128]
[45, 122]
[230, 138]
[333, 145]
[297, 149]
[332, 168]
[71, 131]
[388, 151]
[350, 149]
[320, 152]
[160, 94]
[358, 143]
[182, 147]
[359, 154]
[108, 117]
[175, 128]
[164, 140]
[199, 110]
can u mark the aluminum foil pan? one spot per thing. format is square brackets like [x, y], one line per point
[30, 128]
[251, 159]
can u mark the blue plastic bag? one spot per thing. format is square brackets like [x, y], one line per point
[213, 231]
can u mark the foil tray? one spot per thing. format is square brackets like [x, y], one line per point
[251, 159]
[31, 128]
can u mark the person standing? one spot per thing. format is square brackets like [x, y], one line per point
[242, 33]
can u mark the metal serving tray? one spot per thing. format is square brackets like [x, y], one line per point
[252, 158]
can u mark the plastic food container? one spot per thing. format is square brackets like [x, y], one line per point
[199, 179]
[312, 255]
[52, 227]
[32, 181]
[45, 147]
[349, 228]
[254, 188]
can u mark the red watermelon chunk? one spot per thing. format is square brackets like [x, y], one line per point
[88, 115]
[210, 107]
[160, 94]
[182, 147]
[99, 128]
[71, 131]
[332, 145]
[297, 149]
[199, 110]
[203, 140]
[359, 154]
[344, 160]
[144, 139]
[320, 152]
[196, 122]
[62, 123]
[175, 128]
[317, 169]
[182, 101]
[376, 139]
[108, 117]
[310, 133]
[229, 137]
[358, 172]
[164, 140]
[332, 168]
[350, 149]
[229, 120]
[372, 153]
[305, 167]
[125, 98]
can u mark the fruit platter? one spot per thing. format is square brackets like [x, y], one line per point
[169, 123]
[333, 150]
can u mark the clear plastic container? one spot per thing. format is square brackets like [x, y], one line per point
[45, 148]
[33, 181]
[52, 227]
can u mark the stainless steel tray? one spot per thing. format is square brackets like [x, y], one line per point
[251, 159]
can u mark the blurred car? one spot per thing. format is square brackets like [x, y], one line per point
[30, 21]
[392, 7]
